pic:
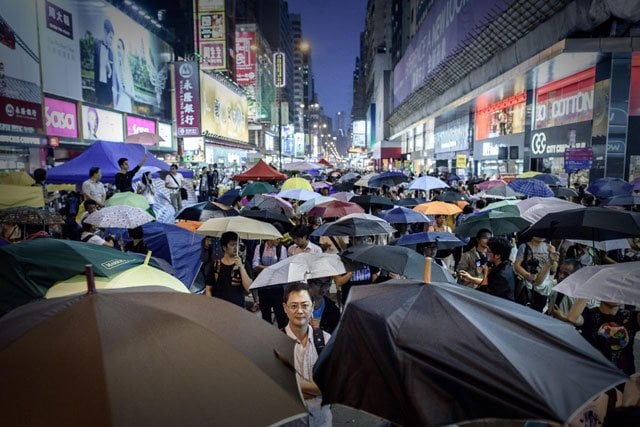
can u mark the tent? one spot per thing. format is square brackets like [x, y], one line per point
[261, 172]
[19, 195]
[105, 155]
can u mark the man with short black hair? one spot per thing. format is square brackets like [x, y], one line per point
[475, 258]
[498, 276]
[300, 236]
[174, 181]
[124, 176]
[93, 189]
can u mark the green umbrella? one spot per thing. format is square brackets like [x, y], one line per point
[500, 205]
[499, 223]
[30, 268]
[129, 199]
[258, 188]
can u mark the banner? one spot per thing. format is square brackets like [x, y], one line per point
[223, 111]
[246, 57]
[102, 125]
[187, 85]
[210, 34]
[452, 135]
[61, 118]
[165, 132]
[20, 95]
[137, 125]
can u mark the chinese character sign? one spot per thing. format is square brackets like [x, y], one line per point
[245, 58]
[187, 84]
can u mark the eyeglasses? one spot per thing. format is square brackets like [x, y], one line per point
[295, 306]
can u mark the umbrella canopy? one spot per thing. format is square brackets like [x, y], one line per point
[427, 183]
[144, 138]
[411, 202]
[29, 216]
[144, 357]
[402, 215]
[396, 259]
[298, 194]
[626, 200]
[479, 357]
[443, 239]
[499, 223]
[261, 172]
[609, 187]
[564, 192]
[549, 179]
[438, 208]
[369, 202]
[246, 228]
[534, 208]
[301, 166]
[363, 181]
[325, 163]
[269, 217]
[299, 268]
[345, 196]
[119, 216]
[334, 209]
[360, 215]
[503, 192]
[529, 174]
[206, 210]
[451, 197]
[387, 178]
[354, 227]
[616, 283]
[500, 205]
[14, 196]
[595, 224]
[255, 188]
[317, 185]
[309, 204]
[297, 183]
[271, 202]
[20, 178]
[351, 176]
[605, 245]
[531, 187]
[230, 196]
[128, 199]
[188, 225]
[485, 185]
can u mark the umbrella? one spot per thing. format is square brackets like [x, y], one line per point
[271, 202]
[564, 192]
[354, 227]
[438, 208]
[345, 196]
[531, 187]
[427, 183]
[144, 138]
[334, 209]
[245, 228]
[325, 163]
[485, 185]
[119, 216]
[144, 356]
[20, 178]
[443, 239]
[351, 176]
[268, 216]
[309, 204]
[549, 179]
[411, 202]
[402, 215]
[230, 196]
[529, 174]
[369, 202]
[188, 225]
[595, 224]
[258, 187]
[363, 181]
[298, 194]
[387, 178]
[299, 268]
[605, 245]
[396, 259]
[479, 357]
[301, 166]
[616, 283]
[534, 208]
[206, 210]
[626, 200]
[453, 177]
[499, 223]
[636, 184]
[128, 199]
[500, 205]
[293, 183]
[317, 185]
[609, 187]
[366, 216]
[451, 197]
[501, 192]
[29, 216]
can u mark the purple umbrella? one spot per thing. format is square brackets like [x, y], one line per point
[609, 187]
[531, 187]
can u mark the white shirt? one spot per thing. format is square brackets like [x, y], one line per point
[311, 248]
[95, 190]
[95, 239]
[170, 183]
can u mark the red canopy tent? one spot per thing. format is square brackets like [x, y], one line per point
[326, 163]
[261, 172]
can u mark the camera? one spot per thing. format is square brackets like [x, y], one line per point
[532, 265]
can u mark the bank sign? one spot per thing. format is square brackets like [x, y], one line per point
[553, 142]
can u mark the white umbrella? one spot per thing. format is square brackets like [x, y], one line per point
[119, 216]
[605, 245]
[616, 283]
[300, 267]
[534, 208]
[427, 183]
[245, 228]
[298, 194]
[302, 166]
[364, 180]
[310, 204]
[344, 196]
[362, 216]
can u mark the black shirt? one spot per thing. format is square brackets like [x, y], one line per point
[123, 180]
[502, 281]
[226, 283]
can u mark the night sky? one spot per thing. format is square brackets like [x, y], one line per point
[332, 28]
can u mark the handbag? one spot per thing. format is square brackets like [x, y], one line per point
[183, 191]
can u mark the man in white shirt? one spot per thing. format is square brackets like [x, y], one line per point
[300, 236]
[173, 182]
[93, 189]
[299, 308]
[89, 235]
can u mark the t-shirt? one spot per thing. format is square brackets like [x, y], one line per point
[228, 284]
[95, 239]
[171, 183]
[501, 281]
[95, 190]
[612, 335]
[123, 180]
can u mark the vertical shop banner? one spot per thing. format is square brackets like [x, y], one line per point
[634, 90]
[187, 85]
[61, 118]
[223, 111]
[246, 57]
[102, 125]
[210, 33]
[137, 125]
[20, 94]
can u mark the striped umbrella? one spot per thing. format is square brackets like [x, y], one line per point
[531, 187]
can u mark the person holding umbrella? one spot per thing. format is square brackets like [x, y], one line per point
[228, 278]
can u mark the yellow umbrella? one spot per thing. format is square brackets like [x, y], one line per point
[529, 174]
[12, 196]
[141, 275]
[16, 178]
[293, 183]
[438, 208]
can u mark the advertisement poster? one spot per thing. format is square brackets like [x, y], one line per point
[102, 125]
[245, 57]
[224, 112]
[61, 118]
[165, 132]
[193, 149]
[210, 33]
[187, 86]
[97, 54]
[503, 118]
[137, 125]
[20, 98]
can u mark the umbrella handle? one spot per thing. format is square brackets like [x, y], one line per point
[91, 281]
[427, 270]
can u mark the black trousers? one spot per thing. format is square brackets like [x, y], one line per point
[272, 299]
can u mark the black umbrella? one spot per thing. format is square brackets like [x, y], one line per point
[451, 197]
[564, 192]
[595, 224]
[439, 354]
[230, 196]
[353, 227]
[396, 259]
[442, 239]
[206, 210]
[268, 216]
[411, 202]
[387, 178]
[498, 222]
[369, 202]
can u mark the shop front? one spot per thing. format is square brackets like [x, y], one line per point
[547, 146]
[451, 139]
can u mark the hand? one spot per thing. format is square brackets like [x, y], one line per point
[237, 261]
[464, 275]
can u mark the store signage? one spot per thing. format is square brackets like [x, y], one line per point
[246, 60]
[565, 101]
[553, 142]
[187, 84]
[60, 118]
[577, 158]
[138, 125]
[279, 72]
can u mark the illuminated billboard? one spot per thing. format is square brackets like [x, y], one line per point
[224, 111]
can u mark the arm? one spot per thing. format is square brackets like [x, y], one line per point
[208, 290]
[520, 271]
[246, 280]
[309, 388]
[343, 278]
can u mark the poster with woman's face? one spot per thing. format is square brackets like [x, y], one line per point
[98, 124]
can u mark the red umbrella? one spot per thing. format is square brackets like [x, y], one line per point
[326, 163]
[335, 209]
[489, 184]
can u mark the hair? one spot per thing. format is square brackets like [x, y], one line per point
[294, 287]
[483, 231]
[40, 175]
[86, 226]
[89, 202]
[136, 233]
[120, 41]
[108, 26]
[299, 231]
[174, 165]
[121, 161]
[227, 236]
[94, 170]
[468, 209]
[146, 178]
[500, 246]
[480, 203]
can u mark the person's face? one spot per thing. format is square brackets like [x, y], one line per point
[120, 51]
[231, 248]
[272, 243]
[440, 220]
[430, 251]
[483, 240]
[108, 38]
[125, 165]
[299, 308]
[564, 271]
[173, 170]
[98, 175]
[300, 241]
[91, 208]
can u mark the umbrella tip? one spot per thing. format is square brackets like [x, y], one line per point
[91, 281]
[147, 258]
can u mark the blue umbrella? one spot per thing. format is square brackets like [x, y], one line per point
[387, 178]
[531, 187]
[230, 196]
[548, 179]
[609, 187]
[444, 240]
[454, 177]
[625, 200]
[402, 215]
